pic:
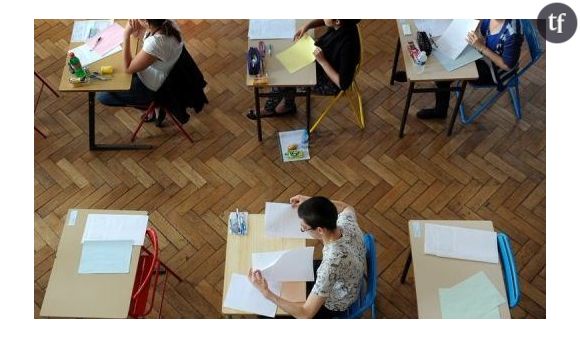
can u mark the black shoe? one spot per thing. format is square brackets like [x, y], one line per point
[400, 76]
[150, 118]
[430, 113]
[160, 118]
[269, 114]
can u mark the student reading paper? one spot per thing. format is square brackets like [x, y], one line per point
[338, 278]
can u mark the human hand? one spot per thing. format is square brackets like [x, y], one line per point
[301, 31]
[319, 55]
[258, 281]
[298, 199]
[475, 40]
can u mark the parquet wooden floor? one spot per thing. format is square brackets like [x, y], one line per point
[494, 169]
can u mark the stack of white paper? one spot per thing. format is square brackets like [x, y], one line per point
[453, 41]
[282, 221]
[116, 227]
[461, 243]
[271, 29]
[106, 257]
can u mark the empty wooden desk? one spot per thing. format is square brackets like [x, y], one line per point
[278, 76]
[431, 71]
[73, 295]
[120, 81]
[432, 272]
[239, 258]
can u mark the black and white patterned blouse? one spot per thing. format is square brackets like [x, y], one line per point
[343, 264]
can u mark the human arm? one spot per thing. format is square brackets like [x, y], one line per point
[301, 310]
[142, 60]
[340, 206]
[307, 26]
[478, 43]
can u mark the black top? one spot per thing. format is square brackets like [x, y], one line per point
[341, 47]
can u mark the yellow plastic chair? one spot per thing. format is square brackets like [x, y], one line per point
[352, 94]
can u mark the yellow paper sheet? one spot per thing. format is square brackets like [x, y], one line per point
[298, 55]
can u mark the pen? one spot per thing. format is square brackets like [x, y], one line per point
[96, 43]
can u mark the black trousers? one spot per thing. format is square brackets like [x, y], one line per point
[442, 97]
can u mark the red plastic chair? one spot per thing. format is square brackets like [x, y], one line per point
[148, 270]
[151, 110]
[43, 83]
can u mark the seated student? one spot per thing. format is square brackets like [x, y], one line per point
[339, 276]
[337, 55]
[162, 46]
[500, 44]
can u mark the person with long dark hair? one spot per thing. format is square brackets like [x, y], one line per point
[162, 46]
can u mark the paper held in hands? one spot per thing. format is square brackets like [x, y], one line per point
[282, 221]
[299, 55]
[452, 42]
[290, 265]
[243, 296]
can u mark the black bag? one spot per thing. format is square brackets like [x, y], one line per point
[424, 42]
[254, 61]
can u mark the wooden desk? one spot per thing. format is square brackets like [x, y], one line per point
[278, 76]
[432, 272]
[121, 82]
[239, 251]
[431, 71]
[73, 295]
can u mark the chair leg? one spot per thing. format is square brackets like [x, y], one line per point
[178, 124]
[407, 266]
[515, 96]
[39, 132]
[328, 108]
[149, 110]
[361, 112]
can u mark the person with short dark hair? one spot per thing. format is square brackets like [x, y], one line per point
[162, 46]
[337, 55]
[339, 276]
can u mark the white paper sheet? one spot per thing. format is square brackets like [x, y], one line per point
[468, 55]
[434, 26]
[282, 221]
[116, 227]
[243, 296]
[72, 218]
[290, 265]
[461, 243]
[86, 29]
[106, 257]
[271, 29]
[452, 41]
[87, 57]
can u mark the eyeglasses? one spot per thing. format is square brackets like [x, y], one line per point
[304, 229]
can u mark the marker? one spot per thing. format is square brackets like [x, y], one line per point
[96, 43]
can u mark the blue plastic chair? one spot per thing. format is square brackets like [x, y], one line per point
[510, 272]
[367, 296]
[511, 82]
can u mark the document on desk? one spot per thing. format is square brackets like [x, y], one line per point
[461, 243]
[107, 227]
[453, 41]
[290, 265]
[106, 257]
[271, 29]
[282, 221]
[474, 298]
[107, 40]
[299, 55]
[86, 29]
[468, 55]
[87, 57]
[435, 27]
[243, 296]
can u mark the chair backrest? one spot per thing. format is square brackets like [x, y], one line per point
[533, 39]
[360, 60]
[145, 278]
[367, 295]
[510, 272]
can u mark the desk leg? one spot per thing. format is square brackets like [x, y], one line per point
[308, 112]
[406, 111]
[407, 266]
[395, 61]
[456, 109]
[93, 146]
[258, 114]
